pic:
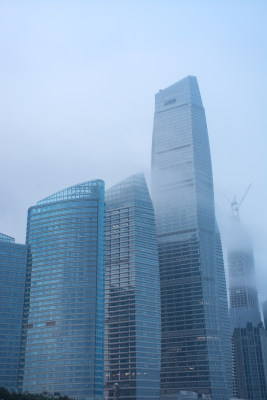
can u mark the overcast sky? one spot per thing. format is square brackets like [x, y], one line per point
[77, 86]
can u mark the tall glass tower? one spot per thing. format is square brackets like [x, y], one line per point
[12, 284]
[132, 294]
[195, 325]
[63, 332]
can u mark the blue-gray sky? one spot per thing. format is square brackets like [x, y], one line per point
[77, 85]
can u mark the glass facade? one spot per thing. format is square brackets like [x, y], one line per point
[12, 285]
[249, 338]
[250, 362]
[196, 352]
[62, 340]
[132, 294]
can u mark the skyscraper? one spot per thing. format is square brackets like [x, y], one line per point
[244, 305]
[62, 341]
[195, 326]
[249, 345]
[132, 294]
[249, 338]
[12, 285]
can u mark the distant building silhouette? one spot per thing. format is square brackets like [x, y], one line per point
[132, 294]
[12, 284]
[196, 352]
[63, 322]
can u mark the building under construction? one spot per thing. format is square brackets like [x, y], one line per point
[249, 338]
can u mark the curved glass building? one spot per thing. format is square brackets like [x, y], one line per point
[132, 294]
[196, 353]
[62, 340]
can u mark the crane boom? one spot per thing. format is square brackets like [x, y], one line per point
[246, 192]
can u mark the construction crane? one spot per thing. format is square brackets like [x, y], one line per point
[235, 205]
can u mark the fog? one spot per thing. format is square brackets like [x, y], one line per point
[77, 86]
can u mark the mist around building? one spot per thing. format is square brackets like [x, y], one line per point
[121, 293]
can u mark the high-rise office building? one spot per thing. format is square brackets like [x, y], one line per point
[132, 294]
[196, 352]
[249, 346]
[249, 338]
[63, 321]
[12, 285]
